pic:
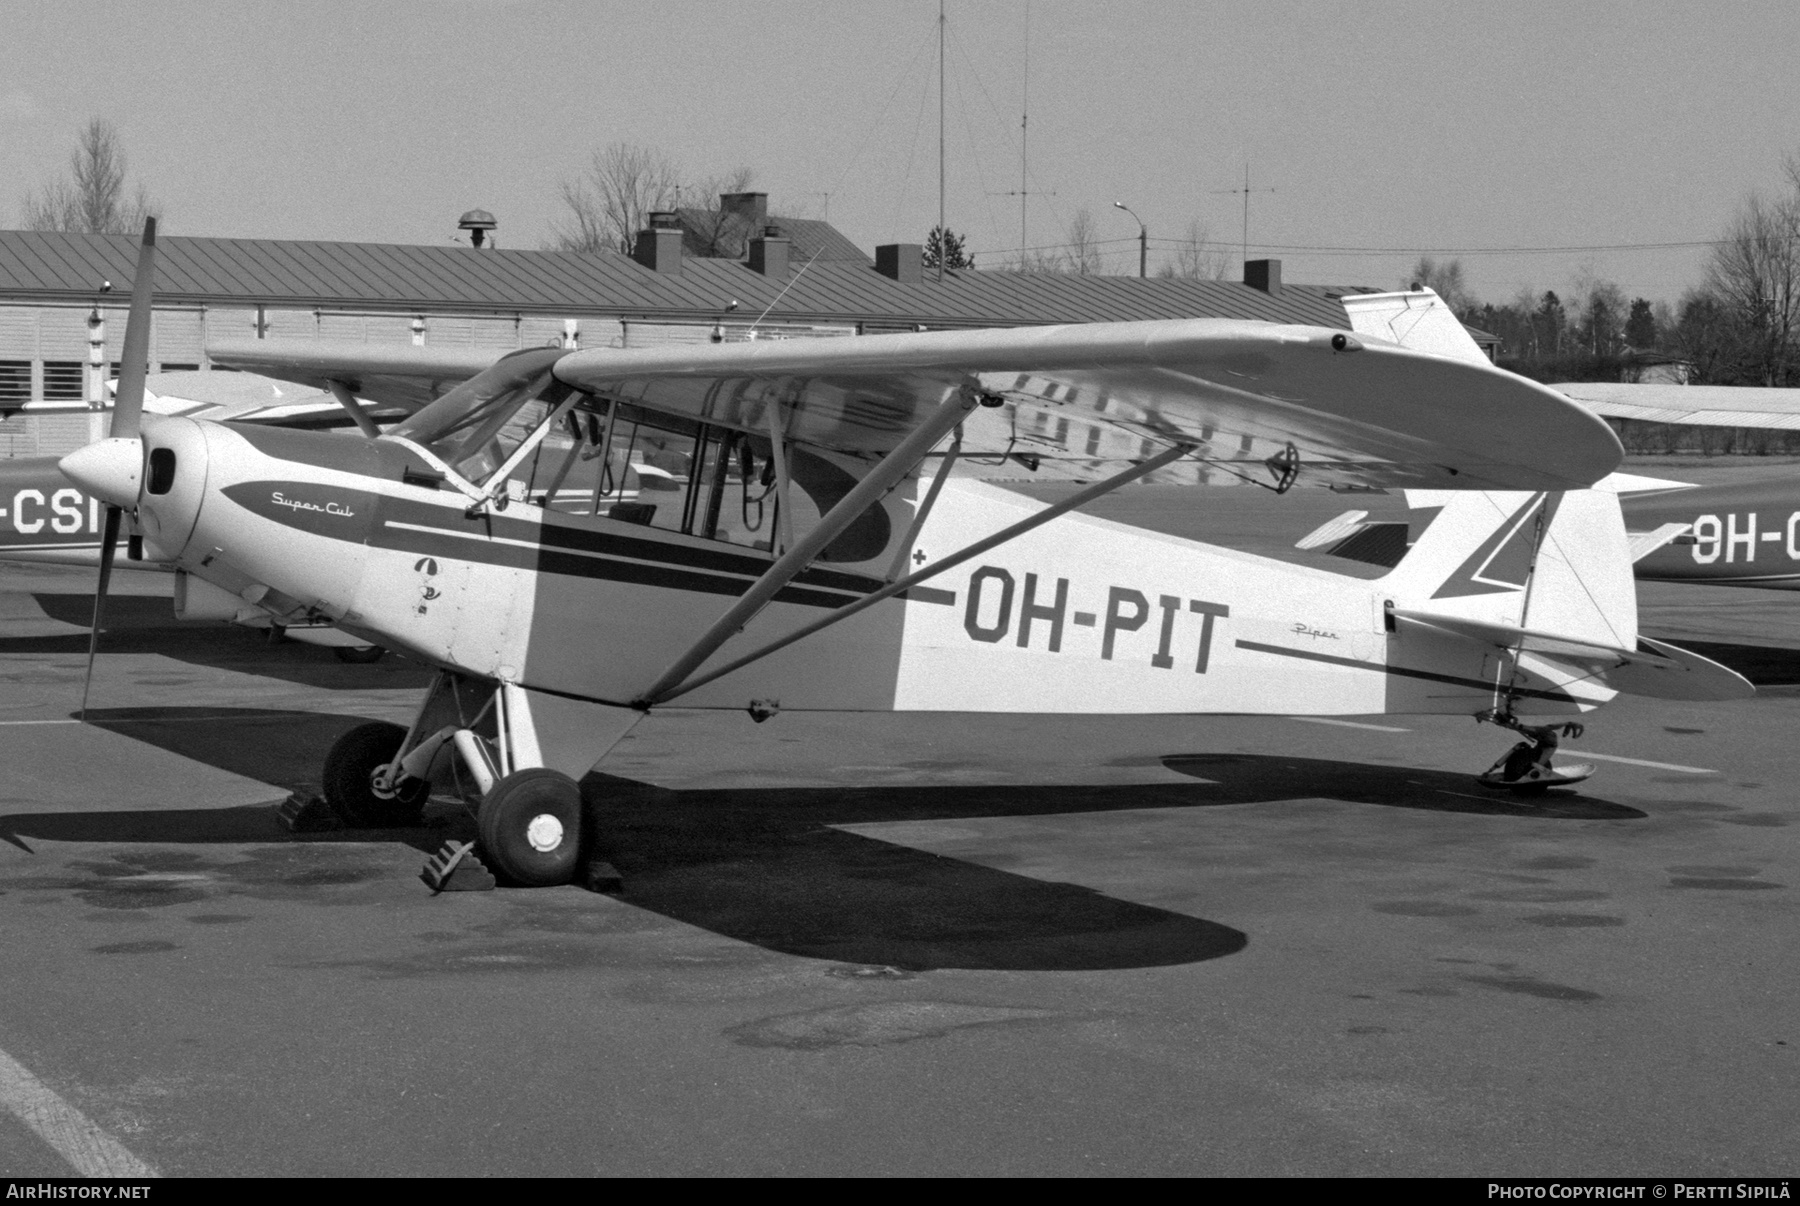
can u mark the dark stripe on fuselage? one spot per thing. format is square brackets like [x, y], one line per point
[415, 526]
[1397, 671]
[614, 543]
[667, 573]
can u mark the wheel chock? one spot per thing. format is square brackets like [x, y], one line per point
[598, 876]
[307, 812]
[456, 868]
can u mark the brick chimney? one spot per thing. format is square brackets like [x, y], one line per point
[659, 247]
[769, 252]
[905, 262]
[1263, 274]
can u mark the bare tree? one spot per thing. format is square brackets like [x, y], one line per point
[613, 198]
[1599, 311]
[720, 233]
[1083, 244]
[91, 198]
[1754, 273]
[1446, 279]
[1195, 258]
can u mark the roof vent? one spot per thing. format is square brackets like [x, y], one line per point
[478, 222]
[905, 262]
[1263, 274]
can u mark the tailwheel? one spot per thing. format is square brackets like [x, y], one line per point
[530, 827]
[354, 792]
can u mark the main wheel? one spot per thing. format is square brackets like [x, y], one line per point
[350, 779]
[358, 655]
[530, 827]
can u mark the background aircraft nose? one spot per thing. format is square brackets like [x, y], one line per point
[110, 469]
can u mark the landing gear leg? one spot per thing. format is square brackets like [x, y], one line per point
[509, 753]
[1528, 768]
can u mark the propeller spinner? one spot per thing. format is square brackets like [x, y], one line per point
[112, 469]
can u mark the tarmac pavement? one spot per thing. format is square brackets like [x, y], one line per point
[901, 944]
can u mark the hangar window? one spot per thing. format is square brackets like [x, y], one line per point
[15, 381]
[62, 381]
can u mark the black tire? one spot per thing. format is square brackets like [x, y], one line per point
[530, 828]
[349, 780]
[1519, 762]
[358, 655]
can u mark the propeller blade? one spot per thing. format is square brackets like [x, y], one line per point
[128, 403]
[127, 420]
[109, 542]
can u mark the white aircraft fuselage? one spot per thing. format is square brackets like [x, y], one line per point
[1079, 615]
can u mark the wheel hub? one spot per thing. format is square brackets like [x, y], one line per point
[545, 833]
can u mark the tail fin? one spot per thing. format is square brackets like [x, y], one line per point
[1417, 319]
[1477, 556]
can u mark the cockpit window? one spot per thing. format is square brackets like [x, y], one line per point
[474, 426]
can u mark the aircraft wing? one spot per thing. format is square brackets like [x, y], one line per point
[1079, 401]
[1693, 405]
[393, 375]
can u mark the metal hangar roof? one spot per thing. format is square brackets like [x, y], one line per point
[43, 267]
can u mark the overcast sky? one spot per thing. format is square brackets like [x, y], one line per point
[1387, 125]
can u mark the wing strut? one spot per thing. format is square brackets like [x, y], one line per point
[887, 471]
[347, 400]
[1081, 498]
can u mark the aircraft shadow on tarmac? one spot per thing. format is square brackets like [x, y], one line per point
[145, 624]
[771, 867]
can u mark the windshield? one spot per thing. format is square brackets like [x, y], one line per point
[474, 426]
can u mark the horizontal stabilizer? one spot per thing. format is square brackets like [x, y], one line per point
[1645, 543]
[1654, 669]
[1691, 677]
[1333, 530]
[1508, 636]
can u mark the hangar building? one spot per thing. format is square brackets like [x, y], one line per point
[56, 309]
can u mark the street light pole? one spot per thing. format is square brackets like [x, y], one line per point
[1143, 239]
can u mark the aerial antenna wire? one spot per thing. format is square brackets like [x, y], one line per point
[792, 281]
[905, 74]
[962, 100]
[912, 148]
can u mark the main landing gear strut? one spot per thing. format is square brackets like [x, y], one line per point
[1527, 768]
[473, 739]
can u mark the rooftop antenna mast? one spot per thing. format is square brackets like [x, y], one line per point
[1246, 191]
[1024, 124]
[943, 232]
[1024, 191]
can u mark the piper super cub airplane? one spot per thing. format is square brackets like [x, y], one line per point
[775, 525]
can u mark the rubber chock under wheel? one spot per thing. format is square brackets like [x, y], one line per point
[307, 812]
[456, 868]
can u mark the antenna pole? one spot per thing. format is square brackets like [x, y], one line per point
[943, 232]
[1024, 123]
[1246, 215]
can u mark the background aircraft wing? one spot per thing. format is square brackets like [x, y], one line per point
[404, 376]
[1696, 405]
[1078, 401]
